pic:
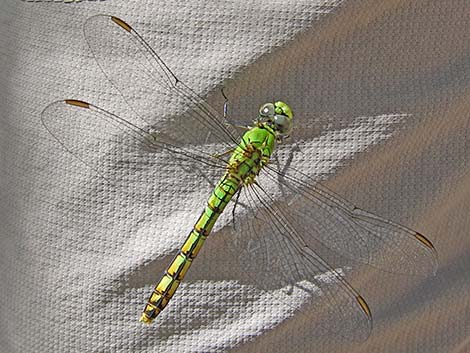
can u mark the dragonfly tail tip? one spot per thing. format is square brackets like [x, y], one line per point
[145, 319]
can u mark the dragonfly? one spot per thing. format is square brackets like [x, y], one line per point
[279, 213]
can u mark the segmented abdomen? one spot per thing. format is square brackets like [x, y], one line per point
[174, 274]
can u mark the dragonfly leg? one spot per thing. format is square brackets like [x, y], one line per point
[235, 207]
[228, 120]
[220, 155]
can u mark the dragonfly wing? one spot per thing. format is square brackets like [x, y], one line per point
[149, 87]
[274, 256]
[351, 231]
[102, 140]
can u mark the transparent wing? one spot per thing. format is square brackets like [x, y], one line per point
[156, 96]
[351, 231]
[106, 142]
[275, 255]
[151, 89]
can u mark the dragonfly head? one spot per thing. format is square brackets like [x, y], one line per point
[278, 116]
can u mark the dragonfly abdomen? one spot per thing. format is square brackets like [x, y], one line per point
[174, 274]
[243, 167]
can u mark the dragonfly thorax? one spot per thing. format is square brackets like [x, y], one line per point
[252, 154]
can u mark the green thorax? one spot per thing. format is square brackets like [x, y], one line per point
[253, 152]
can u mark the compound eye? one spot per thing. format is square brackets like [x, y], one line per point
[282, 123]
[267, 110]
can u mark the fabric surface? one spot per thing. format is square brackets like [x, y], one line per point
[381, 96]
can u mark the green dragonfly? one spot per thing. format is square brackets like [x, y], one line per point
[279, 212]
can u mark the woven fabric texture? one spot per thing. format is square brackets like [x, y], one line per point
[381, 96]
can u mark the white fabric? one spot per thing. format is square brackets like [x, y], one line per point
[380, 93]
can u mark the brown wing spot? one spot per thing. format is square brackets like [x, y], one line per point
[121, 23]
[77, 103]
[364, 305]
[424, 240]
